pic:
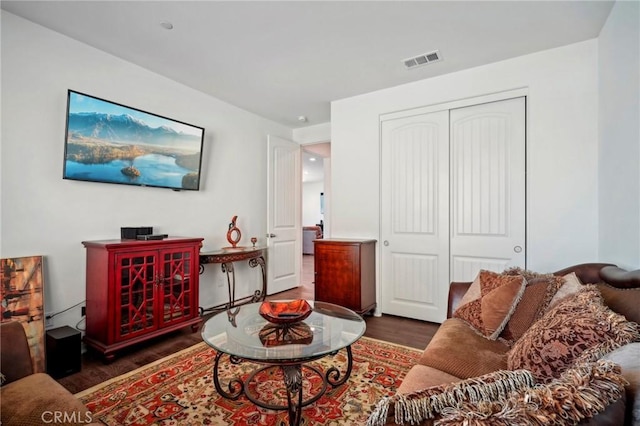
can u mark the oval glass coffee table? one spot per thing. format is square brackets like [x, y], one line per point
[241, 334]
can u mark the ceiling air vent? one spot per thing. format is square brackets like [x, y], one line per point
[423, 59]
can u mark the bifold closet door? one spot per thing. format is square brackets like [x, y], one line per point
[487, 188]
[415, 216]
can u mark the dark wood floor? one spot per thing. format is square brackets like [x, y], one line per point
[389, 328]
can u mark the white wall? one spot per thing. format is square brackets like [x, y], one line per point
[42, 214]
[562, 148]
[311, 203]
[312, 134]
[619, 169]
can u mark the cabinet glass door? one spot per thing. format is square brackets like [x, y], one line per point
[176, 295]
[135, 294]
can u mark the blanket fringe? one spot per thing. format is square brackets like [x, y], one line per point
[580, 393]
[426, 404]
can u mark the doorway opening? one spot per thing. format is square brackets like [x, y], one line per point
[315, 203]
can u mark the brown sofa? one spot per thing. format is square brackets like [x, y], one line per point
[446, 358]
[32, 399]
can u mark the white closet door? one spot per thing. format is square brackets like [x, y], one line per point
[452, 202]
[415, 216]
[487, 188]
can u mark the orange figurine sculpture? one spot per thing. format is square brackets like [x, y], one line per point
[233, 229]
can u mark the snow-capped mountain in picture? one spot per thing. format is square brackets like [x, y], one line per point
[124, 128]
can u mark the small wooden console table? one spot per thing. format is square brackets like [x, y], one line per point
[226, 258]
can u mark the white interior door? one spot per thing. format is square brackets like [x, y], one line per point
[415, 216]
[284, 230]
[487, 188]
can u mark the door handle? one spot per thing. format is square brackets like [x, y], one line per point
[271, 235]
[386, 243]
[517, 249]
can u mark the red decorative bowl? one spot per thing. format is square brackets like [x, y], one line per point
[285, 312]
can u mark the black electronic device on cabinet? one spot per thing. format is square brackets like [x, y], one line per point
[132, 233]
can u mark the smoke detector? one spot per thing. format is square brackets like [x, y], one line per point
[424, 59]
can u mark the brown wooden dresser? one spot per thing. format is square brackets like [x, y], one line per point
[345, 273]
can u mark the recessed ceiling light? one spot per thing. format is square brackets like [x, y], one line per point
[166, 25]
[312, 159]
[302, 118]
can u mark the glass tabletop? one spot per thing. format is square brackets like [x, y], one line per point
[244, 333]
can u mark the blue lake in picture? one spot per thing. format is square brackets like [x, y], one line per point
[155, 170]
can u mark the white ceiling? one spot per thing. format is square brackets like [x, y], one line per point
[284, 59]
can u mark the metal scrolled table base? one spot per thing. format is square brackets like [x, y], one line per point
[292, 374]
[258, 295]
[228, 270]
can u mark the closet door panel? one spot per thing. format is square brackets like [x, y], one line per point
[414, 216]
[487, 188]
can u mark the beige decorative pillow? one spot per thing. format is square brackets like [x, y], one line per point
[582, 321]
[499, 296]
[472, 293]
[572, 285]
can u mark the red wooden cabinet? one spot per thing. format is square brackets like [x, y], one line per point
[345, 273]
[136, 290]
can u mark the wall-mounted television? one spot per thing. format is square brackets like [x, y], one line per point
[112, 143]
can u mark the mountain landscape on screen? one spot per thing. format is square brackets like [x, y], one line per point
[129, 146]
[126, 129]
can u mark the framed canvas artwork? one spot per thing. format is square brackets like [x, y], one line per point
[23, 301]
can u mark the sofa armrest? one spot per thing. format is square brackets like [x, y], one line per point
[15, 356]
[620, 278]
[589, 273]
[456, 291]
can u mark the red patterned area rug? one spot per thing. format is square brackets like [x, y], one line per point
[178, 390]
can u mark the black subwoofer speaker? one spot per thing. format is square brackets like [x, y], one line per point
[63, 351]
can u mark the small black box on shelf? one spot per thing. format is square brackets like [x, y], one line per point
[131, 233]
[63, 351]
[152, 237]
